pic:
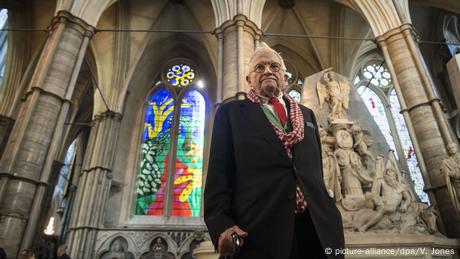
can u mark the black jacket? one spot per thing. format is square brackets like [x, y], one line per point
[251, 183]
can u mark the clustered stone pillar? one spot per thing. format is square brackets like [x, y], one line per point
[237, 40]
[421, 107]
[94, 185]
[28, 157]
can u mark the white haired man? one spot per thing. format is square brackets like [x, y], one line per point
[265, 182]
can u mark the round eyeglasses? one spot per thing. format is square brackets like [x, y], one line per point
[273, 67]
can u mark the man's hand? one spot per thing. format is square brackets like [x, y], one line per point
[226, 246]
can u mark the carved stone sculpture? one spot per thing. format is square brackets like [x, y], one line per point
[372, 195]
[118, 250]
[353, 174]
[334, 92]
[360, 145]
[331, 170]
[159, 250]
[450, 168]
[393, 196]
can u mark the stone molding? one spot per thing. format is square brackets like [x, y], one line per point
[240, 20]
[72, 21]
[139, 241]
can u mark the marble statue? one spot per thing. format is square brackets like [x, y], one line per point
[450, 168]
[389, 195]
[359, 144]
[331, 169]
[429, 216]
[372, 194]
[334, 92]
[353, 174]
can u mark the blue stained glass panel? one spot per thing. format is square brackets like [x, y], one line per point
[151, 183]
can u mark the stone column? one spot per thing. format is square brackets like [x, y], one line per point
[94, 185]
[427, 126]
[6, 124]
[28, 157]
[236, 44]
[421, 107]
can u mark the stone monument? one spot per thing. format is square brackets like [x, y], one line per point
[375, 199]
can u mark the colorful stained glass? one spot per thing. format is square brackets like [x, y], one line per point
[377, 110]
[378, 74]
[154, 150]
[408, 149]
[3, 42]
[180, 75]
[189, 156]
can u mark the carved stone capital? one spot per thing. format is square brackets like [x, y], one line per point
[107, 115]
[405, 30]
[65, 17]
[239, 20]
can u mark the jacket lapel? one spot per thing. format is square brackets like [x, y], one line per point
[254, 114]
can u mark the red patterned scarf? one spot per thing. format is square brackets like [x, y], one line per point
[295, 116]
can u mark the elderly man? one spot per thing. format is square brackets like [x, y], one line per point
[265, 181]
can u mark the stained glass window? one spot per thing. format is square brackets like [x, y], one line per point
[377, 109]
[3, 42]
[154, 154]
[376, 74]
[180, 75]
[408, 149]
[171, 162]
[189, 156]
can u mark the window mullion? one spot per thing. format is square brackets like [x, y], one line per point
[396, 139]
[169, 190]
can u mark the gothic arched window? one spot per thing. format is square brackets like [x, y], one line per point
[3, 42]
[374, 85]
[171, 162]
[295, 83]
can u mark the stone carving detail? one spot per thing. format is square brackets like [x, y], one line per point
[148, 244]
[118, 250]
[372, 194]
[159, 250]
[334, 92]
[450, 168]
[179, 237]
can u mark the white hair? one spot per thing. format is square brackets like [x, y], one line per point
[263, 47]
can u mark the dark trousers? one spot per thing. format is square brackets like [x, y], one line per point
[306, 243]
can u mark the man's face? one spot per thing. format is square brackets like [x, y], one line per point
[264, 77]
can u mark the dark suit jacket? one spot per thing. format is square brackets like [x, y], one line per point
[251, 183]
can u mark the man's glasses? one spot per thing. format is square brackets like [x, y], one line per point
[273, 67]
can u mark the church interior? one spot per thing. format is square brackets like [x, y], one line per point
[107, 107]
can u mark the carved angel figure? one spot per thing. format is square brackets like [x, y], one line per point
[334, 92]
